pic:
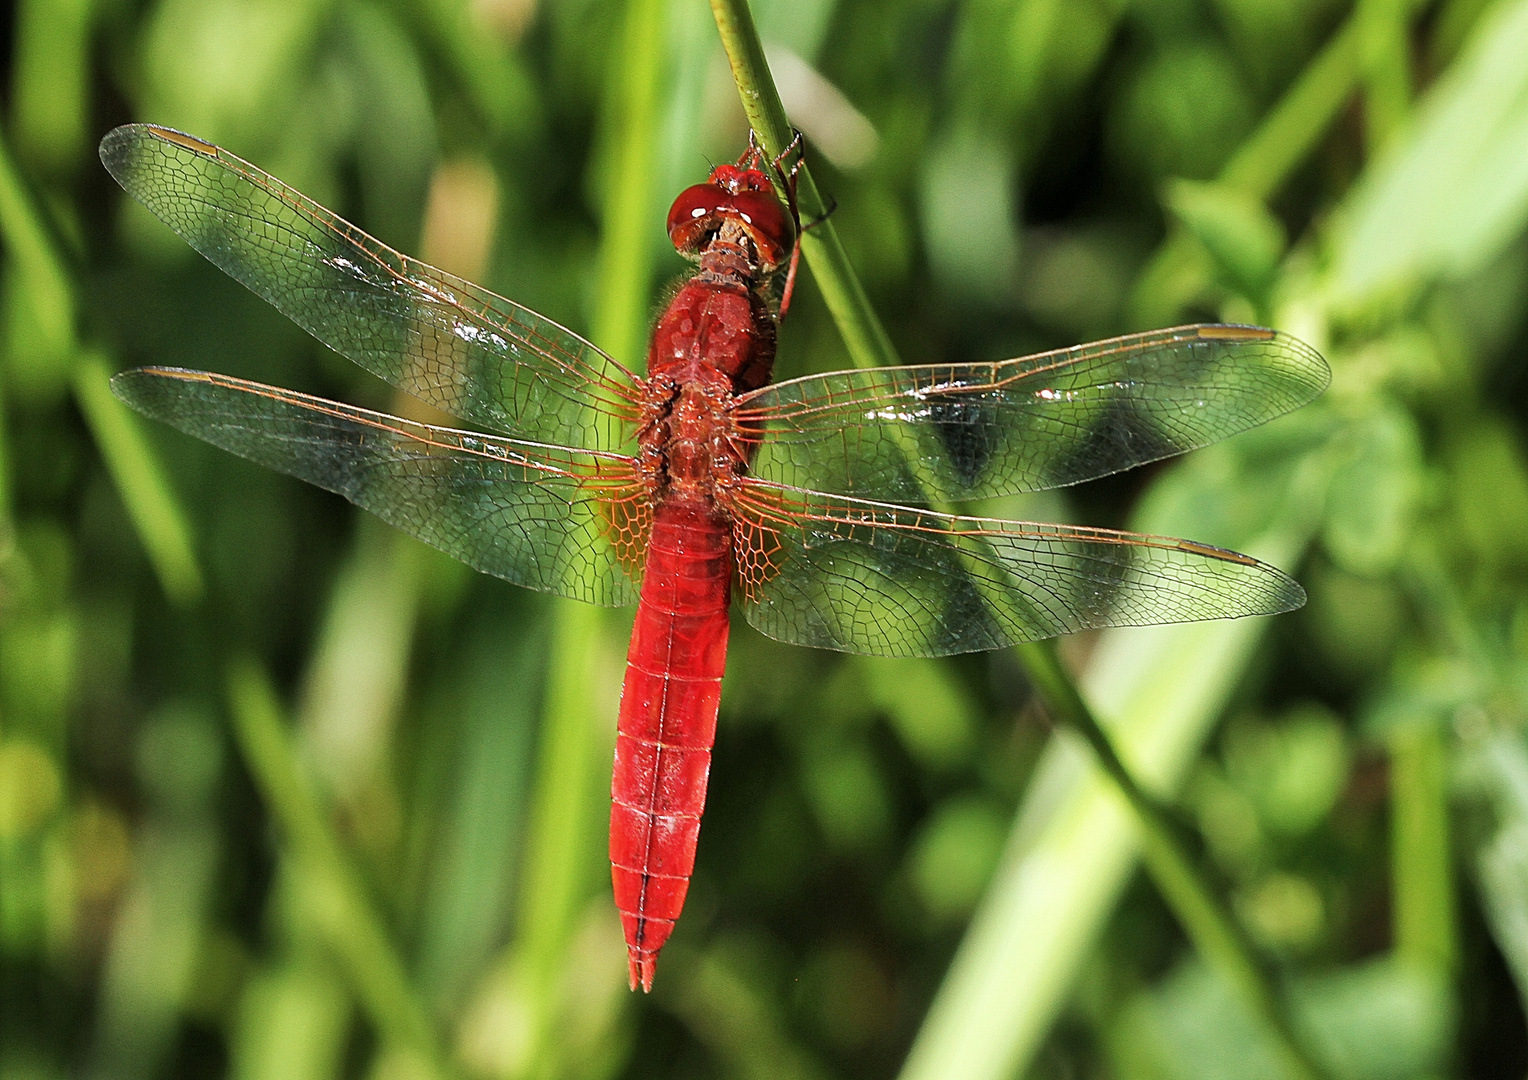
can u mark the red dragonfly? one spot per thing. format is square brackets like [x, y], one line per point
[811, 503]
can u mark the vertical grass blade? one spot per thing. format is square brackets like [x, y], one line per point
[46, 281]
[565, 798]
[329, 890]
[52, 80]
[358, 675]
[1420, 851]
[1387, 68]
[631, 132]
[150, 502]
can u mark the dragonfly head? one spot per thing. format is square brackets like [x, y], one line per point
[733, 194]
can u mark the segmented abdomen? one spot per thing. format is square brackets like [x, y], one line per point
[668, 723]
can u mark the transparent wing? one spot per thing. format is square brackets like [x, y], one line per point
[864, 577]
[444, 340]
[967, 431]
[562, 521]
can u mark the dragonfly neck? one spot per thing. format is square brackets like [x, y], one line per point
[731, 260]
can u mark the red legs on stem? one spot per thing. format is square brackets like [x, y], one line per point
[801, 230]
[787, 179]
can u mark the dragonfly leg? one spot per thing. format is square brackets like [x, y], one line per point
[788, 181]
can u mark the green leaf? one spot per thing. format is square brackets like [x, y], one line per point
[926, 707]
[1376, 493]
[1245, 240]
[1455, 192]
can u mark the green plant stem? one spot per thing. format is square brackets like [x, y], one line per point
[1421, 866]
[44, 273]
[1386, 52]
[1172, 867]
[626, 258]
[556, 868]
[140, 481]
[7, 509]
[329, 886]
[866, 339]
[1166, 850]
[49, 289]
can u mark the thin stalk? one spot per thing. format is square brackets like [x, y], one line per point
[156, 514]
[1167, 853]
[626, 237]
[556, 868]
[1386, 68]
[1168, 857]
[1421, 866]
[44, 272]
[7, 510]
[50, 96]
[1292, 128]
[141, 483]
[328, 884]
[1425, 919]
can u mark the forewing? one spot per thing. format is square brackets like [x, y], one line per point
[865, 577]
[562, 521]
[968, 431]
[444, 340]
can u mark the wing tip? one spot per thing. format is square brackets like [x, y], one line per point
[1234, 332]
[1284, 593]
[138, 387]
[120, 146]
[1300, 358]
[1290, 595]
[182, 139]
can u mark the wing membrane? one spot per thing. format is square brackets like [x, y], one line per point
[562, 521]
[444, 340]
[864, 577]
[967, 431]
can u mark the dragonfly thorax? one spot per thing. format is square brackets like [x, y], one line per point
[700, 452]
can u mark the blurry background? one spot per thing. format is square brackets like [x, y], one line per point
[285, 795]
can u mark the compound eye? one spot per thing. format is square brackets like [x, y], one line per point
[694, 215]
[768, 224]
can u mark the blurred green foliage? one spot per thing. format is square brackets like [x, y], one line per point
[285, 795]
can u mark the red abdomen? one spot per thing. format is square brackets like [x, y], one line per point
[668, 723]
